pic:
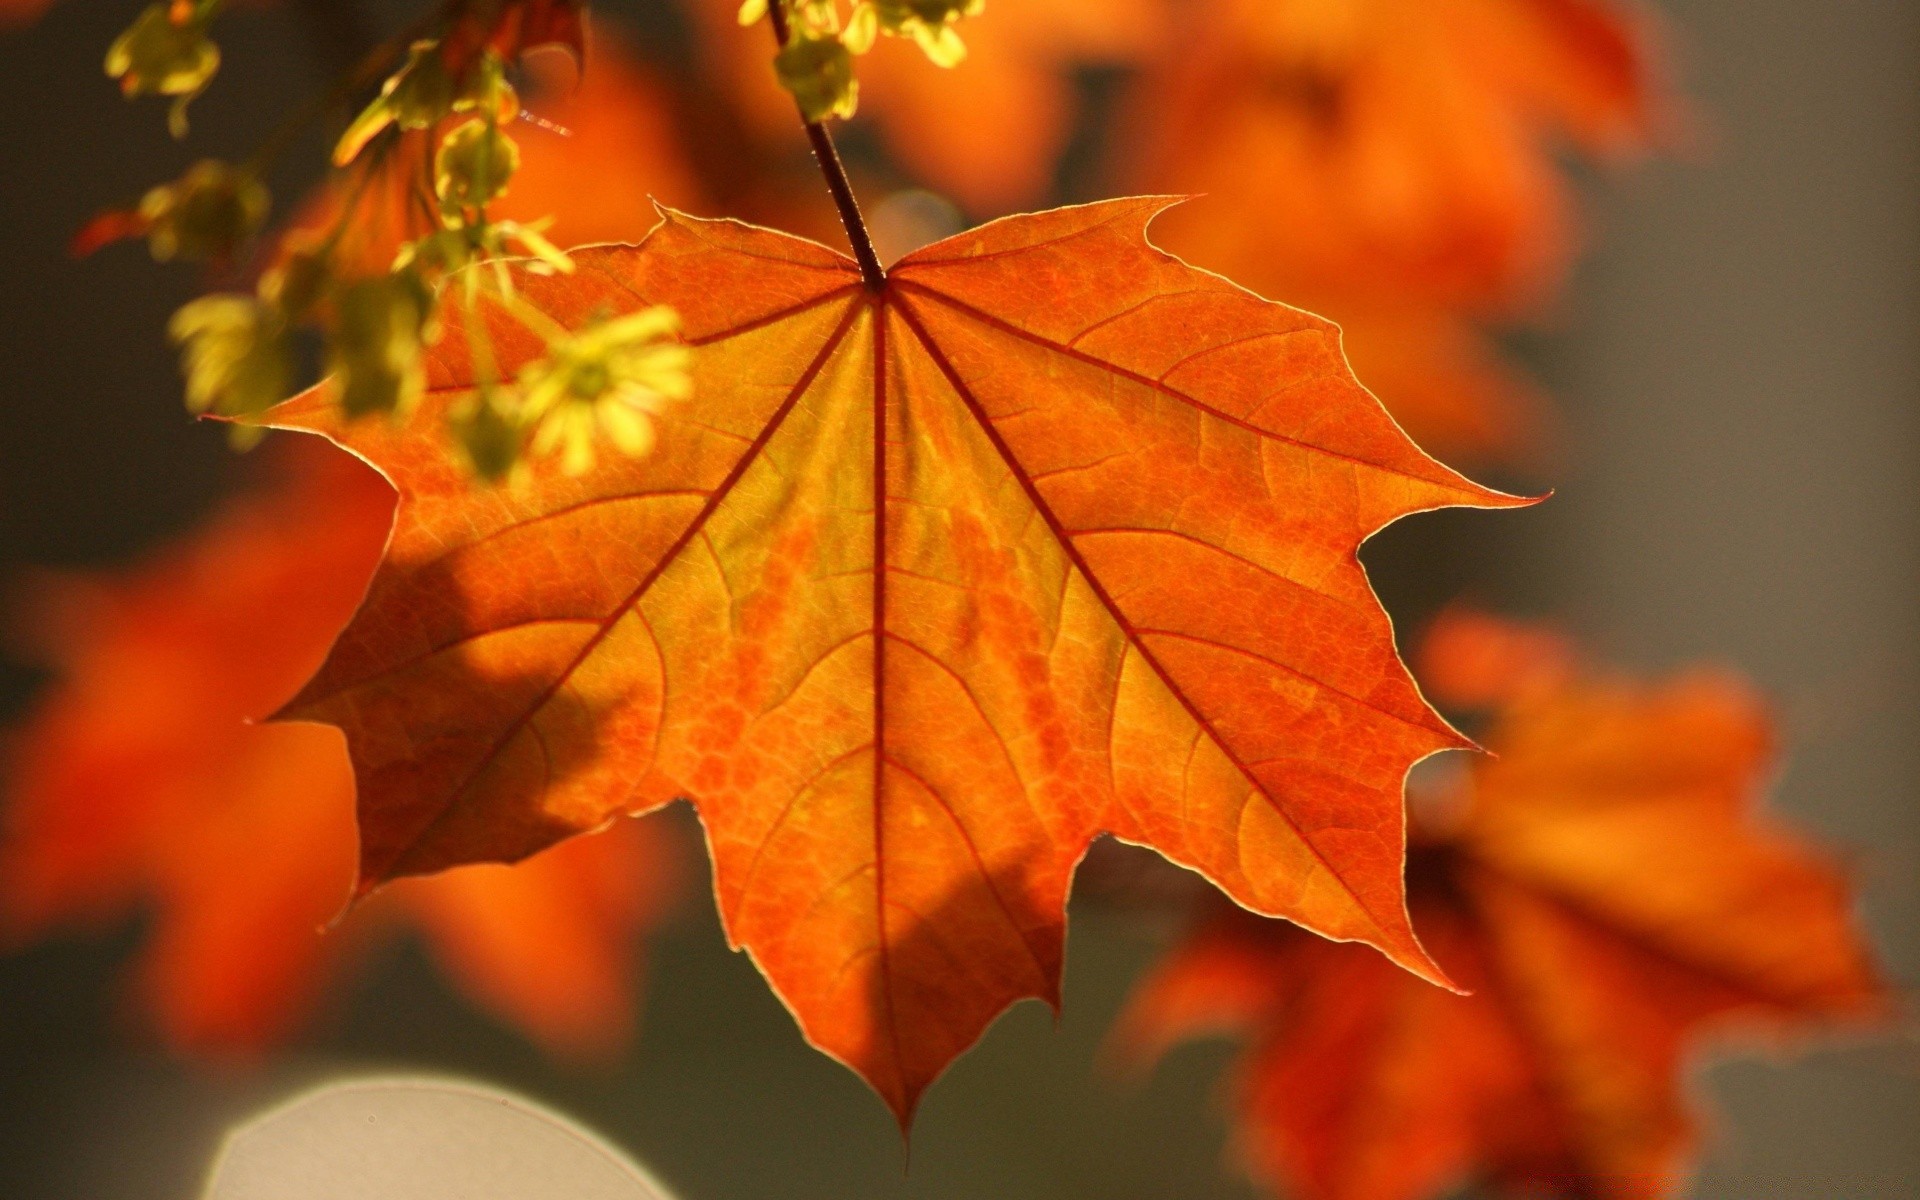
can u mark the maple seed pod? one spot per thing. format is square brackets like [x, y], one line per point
[472, 168]
[374, 347]
[206, 214]
[166, 52]
[610, 377]
[236, 356]
[423, 93]
[819, 72]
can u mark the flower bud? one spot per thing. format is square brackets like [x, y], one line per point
[375, 344]
[299, 281]
[235, 354]
[473, 166]
[204, 215]
[166, 52]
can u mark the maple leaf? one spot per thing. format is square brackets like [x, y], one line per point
[139, 780]
[929, 585]
[1609, 893]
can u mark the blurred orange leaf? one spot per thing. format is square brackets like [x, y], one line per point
[1610, 893]
[22, 12]
[1394, 165]
[1445, 382]
[1392, 147]
[608, 120]
[988, 132]
[604, 147]
[140, 780]
[924, 589]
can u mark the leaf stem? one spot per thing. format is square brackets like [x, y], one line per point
[828, 156]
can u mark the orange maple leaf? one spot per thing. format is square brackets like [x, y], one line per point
[1606, 888]
[1050, 535]
[140, 779]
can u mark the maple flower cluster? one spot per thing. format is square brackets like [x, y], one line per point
[816, 63]
[449, 102]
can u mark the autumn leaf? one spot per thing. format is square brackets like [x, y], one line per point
[1610, 892]
[926, 587]
[139, 781]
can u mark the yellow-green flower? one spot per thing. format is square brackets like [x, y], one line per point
[821, 16]
[376, 341]
[205, 214]
[300, 280]
[608, 378]
[816, 64]
[473, 167]
[423, 93]
[166, 52]
[927, 22]
[818, 70]
[451, 250]
[236, 355]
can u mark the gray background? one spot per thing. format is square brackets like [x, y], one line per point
[1737, 366]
